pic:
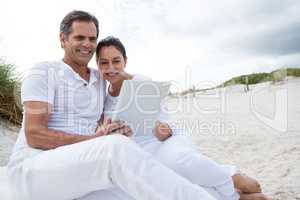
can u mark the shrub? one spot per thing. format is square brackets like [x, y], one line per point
[10, 108]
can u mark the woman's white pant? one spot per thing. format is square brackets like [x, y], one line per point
[113, 161]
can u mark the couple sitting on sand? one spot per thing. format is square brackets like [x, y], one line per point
[60, 156]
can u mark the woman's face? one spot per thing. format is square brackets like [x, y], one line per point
[111, 63]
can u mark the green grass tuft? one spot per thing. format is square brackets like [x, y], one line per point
[274, 76]
[10, 108]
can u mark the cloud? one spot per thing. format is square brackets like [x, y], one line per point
[205, 17]
[228, 37]
[217, 39]
[281, 41]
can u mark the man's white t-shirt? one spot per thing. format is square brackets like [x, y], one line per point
[76, 104]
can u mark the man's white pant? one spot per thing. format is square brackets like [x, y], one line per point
[105, 167]
[113, 161]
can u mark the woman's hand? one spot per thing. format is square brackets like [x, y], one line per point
[125, 76]
[108, 127]
[116, 82]
[162, 131]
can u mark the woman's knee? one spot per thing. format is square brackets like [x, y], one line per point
[175, 157]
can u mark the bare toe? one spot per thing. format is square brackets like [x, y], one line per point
[254, 196]
[246, 184]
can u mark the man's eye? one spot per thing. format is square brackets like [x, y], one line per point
[103, 63]
[116, 61]
[78, 38]
[93, 39]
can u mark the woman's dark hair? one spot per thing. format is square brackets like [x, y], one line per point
[77, 15]
[111, 41]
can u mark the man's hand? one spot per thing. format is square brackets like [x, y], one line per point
[162, 131]
[108, 127]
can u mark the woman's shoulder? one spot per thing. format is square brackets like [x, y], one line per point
[138, 77]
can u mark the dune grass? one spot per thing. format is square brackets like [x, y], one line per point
[10, 108]
[274, 76]
[255, 78]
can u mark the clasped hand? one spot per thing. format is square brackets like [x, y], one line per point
[162, 131]
[107, 127]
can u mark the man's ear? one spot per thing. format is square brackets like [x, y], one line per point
[62, 39]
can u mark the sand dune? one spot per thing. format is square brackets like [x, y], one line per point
[258, 131]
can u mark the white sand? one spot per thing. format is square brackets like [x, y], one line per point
[228, 129]
[8, 135]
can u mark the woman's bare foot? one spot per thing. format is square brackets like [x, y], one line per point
[246, 184]
[254, 196]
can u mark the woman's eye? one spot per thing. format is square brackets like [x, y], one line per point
[116, 61]
[103, 63]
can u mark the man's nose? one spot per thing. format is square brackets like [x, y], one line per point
[87, 43]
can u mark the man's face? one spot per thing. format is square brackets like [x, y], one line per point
[81, 43]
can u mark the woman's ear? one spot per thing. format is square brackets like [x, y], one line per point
[125, 62]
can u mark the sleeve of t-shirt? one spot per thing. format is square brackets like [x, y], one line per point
[39, 84]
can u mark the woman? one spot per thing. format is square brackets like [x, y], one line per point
[168, 144]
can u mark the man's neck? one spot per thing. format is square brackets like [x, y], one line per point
[82, 70]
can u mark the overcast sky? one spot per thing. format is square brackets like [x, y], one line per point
[206, 40]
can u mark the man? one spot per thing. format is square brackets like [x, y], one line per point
[58, 156]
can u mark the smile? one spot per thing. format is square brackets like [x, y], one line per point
[84, 52]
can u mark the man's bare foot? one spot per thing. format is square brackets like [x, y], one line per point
[246, 184]
[254, 196]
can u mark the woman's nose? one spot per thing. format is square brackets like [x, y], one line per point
[110, 68]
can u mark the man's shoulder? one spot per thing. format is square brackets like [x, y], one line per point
[43, 67]
[46, 70]
[47, 64]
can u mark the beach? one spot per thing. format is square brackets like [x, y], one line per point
[258, 131]
[8, 136]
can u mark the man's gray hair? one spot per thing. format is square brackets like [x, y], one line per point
[77, 15]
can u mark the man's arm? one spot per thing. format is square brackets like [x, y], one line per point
[38, 135]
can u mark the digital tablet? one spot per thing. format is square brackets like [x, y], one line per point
[139, 104]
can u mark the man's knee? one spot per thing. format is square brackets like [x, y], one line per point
[116, 143]
[118, 140]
